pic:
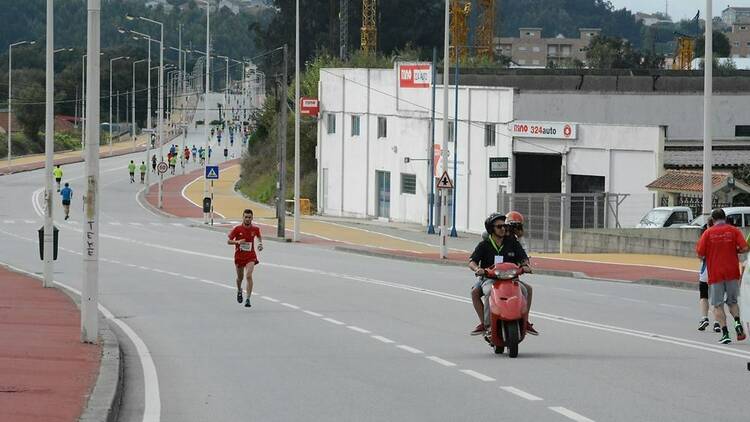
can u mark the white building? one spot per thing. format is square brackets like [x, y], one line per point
[374, 143]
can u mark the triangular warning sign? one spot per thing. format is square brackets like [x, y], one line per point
[212, 174]
[445, 181]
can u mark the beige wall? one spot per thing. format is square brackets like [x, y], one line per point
[530, 49]
[739, 39]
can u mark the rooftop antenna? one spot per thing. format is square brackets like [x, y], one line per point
[666, 8]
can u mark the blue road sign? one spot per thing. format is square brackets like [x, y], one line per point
[212, 172]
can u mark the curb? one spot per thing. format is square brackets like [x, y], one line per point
[144, 203]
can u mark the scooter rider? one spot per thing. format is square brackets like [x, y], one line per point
[497, 248]
[514, 220]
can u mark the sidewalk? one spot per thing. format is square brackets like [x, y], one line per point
[46, 373]
[410, 241]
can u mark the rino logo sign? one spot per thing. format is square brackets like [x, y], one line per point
[414, 75]
[550, 130]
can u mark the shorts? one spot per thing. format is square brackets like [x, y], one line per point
[242, 261]
[724, 292]
[58, 179]
[703, 290]
[66, 202]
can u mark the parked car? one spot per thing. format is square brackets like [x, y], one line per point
[736, 216]
[666, 217]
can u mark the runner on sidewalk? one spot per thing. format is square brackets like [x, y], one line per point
[131, 171]
[58, 173]
[153, 163]
[194, 151]
[143, 168]
[67, 195]
[245, 258]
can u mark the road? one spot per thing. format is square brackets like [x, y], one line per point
[337, 336]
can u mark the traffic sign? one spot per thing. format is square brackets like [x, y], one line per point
[445, 181]
[212, 172]
[162, 167]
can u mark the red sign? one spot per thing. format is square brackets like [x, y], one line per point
[414, 75]
[309, 106]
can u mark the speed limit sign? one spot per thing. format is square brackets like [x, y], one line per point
[162, 167]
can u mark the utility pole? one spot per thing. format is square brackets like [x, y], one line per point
[49, 147]
[295, 235]
[281, 205]
[343, 29]
[444, 150]
[708, 61]
[90, 291]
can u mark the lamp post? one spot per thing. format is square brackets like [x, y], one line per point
[205, 98]
[708, 66]
[295, 235]
[49, 145]
[226, 79]
[444, 150]
[111, 61]
[132, 131]
[10, 92]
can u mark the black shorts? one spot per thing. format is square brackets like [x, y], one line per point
[66, 202]
[58, 179]
[703, 290]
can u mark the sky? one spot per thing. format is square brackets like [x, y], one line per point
[678, 9]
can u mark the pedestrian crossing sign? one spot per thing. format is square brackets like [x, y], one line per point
[212, 172]
[445, 181]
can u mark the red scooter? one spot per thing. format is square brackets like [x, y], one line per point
[508, 314]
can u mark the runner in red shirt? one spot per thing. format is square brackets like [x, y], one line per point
[245, 258]
[719, 246]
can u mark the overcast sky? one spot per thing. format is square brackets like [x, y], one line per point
[678, 9]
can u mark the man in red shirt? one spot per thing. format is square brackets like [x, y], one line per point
[719, 246]
[245, 258]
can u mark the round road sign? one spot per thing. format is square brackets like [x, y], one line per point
[162, 167]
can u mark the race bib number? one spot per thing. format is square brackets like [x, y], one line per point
[498, 259]
[246, 247]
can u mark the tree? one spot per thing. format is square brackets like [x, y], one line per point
[721, 47]
[30, 110]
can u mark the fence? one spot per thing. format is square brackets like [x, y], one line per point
[548, 215]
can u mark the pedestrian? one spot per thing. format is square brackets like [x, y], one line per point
[194, 151]
[245, 258]
[172, 164]
[209, 153]
[187, 154]
[153, 163]
[143, 169]
[131, 171]
[703, 289]
[67, 195]
[226, 153]
[719, 246]
[58, 173]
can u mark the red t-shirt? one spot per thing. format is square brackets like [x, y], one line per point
[244, 233]
[720, 245]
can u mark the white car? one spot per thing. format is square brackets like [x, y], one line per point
[666, 217]
[736, 216]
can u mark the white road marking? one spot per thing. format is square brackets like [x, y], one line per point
[289, 305]
[666, 305]
[143, 268]
[270, 299]
[315, 314]
[173, 274]
[29, 221]
[409, 349]
[441, 361]
[115, 223]
[477, 375]
[190, 277]
[114, 262]
[9, 221]
[633, 300]
[155, 224]
[520, 393]
[383, 339]
[357, 329]
[136, 224]
[333, 321]
[570, 414]
[178, 224]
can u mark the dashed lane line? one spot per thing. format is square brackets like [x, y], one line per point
[357, 329]
[570, 414]
[410, 349]
[383, 339]
[441, 361]
[478, 375]
[333, 321]
[520, 393]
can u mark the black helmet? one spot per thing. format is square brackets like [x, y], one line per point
[491, 219]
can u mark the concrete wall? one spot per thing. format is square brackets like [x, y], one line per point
[676, 242]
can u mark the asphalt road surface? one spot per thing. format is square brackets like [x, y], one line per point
[337, 336]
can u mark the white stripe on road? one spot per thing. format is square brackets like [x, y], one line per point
[136, 224]
[315, 314]
[333, 321]
[29, 221]
[357, 329]
[189, 277]
[570, 414]
[115, 223]
[477, 375]
[383, 339]
[9, 221]
[409, 349]
[289, 305]
[666, 305]
[441, 361]
[270, 299]
[520, 393]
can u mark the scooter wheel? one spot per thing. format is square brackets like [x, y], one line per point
[499, 350]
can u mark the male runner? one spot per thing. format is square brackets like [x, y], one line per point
[143, 168]
[67, 194]
[58, 173]
[131, 171]
[245, 258]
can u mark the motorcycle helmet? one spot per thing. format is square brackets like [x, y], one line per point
[491, 220]
[514, 218]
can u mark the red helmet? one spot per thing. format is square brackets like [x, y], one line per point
[514, 218]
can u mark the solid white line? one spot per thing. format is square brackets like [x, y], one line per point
[477, 375]
[178, 224]
[9, 221]
[666, 305]
[270, 299]
[333, 321]
[383, 339]
[184, 188]
[289, 305]
[570, 414]
[520, 393]
[152, 400]
[173, 274]
[114, 262]
[409, 349]
[190, 277]
[136, 224]
[315, 314]
[29, 221]
[144, 268]
[441, 361]
[357, 329]
[633, 300]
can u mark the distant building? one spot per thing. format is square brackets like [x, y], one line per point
[730, 15]
[649, 19]
[739, 38]
[531, 50]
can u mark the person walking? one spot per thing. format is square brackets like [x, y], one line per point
[153, 163]
[67, 195]
[703, 290]
[719, 246]
[194, 152]
[172, 163]
[245, 258]
[226, 153]
[143, 169]
[58, 174]
[131, 171]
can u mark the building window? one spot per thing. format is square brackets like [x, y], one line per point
[536, 62]
[355, 125]
[331, 124]
[408, 184]
[736, 43]
[521, 61]
[489, 135]
[521, 48]
[552, 49]
[451, 132]
[742, 131]
[535, 49]
[382, 127]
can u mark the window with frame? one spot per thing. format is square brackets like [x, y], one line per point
[489, 135]
[382, 127]
[451, 131]
[331, 123]
[408, 184]
[355, 125]
[742, 131]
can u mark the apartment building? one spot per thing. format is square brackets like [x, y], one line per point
[529, 49]
[739, 39]
[732, 15]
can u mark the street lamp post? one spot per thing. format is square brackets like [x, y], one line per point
[110, 99]
[444, 150]
[49, 146]
[205, 98]
[10, 93]
[226, 79]
[132, 132]
[708, 66]
[295, 235]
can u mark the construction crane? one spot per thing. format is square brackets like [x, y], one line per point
[460, 10]
[485, 29]
[369, 30]
[343, 29]
[683, 56]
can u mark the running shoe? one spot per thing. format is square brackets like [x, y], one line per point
[479, 329]
[247, 303]
[740, 331]
[717, 327]
[703, 324]
[530, 329]
[725, 339]
[239, 296]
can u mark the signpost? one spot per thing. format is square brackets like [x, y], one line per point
[445, 181]
[212, 173]
[498, 167]
[549, 130]
[162, 167]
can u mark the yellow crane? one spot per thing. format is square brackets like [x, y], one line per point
[683, 56]
[460, 10]
[369, 30]
[486, 29]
